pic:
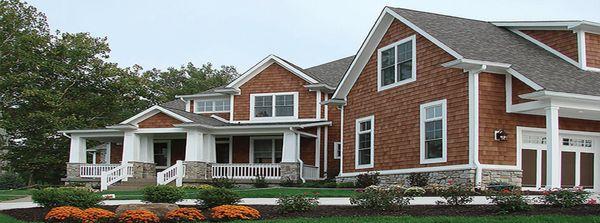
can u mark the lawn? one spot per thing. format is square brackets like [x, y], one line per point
[6, 195]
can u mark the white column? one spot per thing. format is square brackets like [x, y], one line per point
[209, 151]
[77, 150]
[146, 148]
[131, 147]
[553, 153]
[289, 150]
[318, 148]
[193, 145]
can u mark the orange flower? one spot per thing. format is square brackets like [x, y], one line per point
[138, 216]
[64, 214]
[96, 215]
[234, 212]
[184, 215]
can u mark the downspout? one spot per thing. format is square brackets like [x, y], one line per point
[298, 153]
[66, 135]
[474, 122]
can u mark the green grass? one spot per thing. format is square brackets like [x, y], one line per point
[6, 195]
[407, 219]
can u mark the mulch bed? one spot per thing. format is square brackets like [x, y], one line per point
[270, 211]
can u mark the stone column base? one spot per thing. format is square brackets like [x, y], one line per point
[290, 171]
[197, 170]
[73, 170]
[143, 170]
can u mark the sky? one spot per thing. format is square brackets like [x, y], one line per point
[162, 34]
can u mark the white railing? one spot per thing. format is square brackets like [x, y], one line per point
[175, 172]
[310, 172]
[95, 170]
[121, 172]
[246, 170]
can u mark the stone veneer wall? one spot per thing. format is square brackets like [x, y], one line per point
[143, 170]
[290, 171]
[195, 170]
[512, 177]
[73, 170]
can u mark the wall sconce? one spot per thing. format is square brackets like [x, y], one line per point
[500, 135]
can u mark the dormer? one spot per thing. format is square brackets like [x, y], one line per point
[577, 42]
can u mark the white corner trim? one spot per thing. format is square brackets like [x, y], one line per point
[444, 119]
[546, 47]
[413, 78]
[581, 49]
[370, 119]
[318, 108]
[273, 107]
[152, 111]
[260, 66]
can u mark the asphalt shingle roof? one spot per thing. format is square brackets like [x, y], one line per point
[330, 73]
[480, 40]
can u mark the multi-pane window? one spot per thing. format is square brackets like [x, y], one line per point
[212, 105]
[274, 105]
[397, 63]
[433, 133]
[337, 150]
[267, 150]
[364, 142]
[577, 142]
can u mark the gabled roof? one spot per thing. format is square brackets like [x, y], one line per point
[330, 73]
[474, 40]
[267, 61]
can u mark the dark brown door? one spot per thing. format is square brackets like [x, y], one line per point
[161, 154]
[222, 152]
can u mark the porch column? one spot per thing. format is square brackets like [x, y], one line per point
[77, 150]
[131, 147]
[147, 148]
[553, 160]
[193, 145]
[289, 151]
[208, 150]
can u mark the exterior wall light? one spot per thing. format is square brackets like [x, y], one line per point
[500, 135]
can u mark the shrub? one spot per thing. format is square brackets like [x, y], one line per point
[11, 180]
[297, 203]
[501, 186]
[367, 179]
[329, 183]
[217, 196]
[455, 195]
[345, 185]
[260, 182]
[381, 198]
[138, 216]
[64, 214]
[97, 215]
[287, 182]
[510, 201]
[162, 194]
[565, 197]
[65, 196]
[223, 183]
[418, 179]
[204, 187]
[414, 192]
[234, 212]
[184, 215]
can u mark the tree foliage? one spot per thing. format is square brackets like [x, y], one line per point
[57, 81]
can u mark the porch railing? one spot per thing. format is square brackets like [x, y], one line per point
[95, 170]
[175, 172]
[121, 172]
[246, 170]
[310, 172]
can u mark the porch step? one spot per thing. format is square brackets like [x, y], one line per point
[133, 184]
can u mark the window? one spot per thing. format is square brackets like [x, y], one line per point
[364, 142]
[397, 64]
[266, 150]
[162, 156]
[578, 142]
[212, 105]
[276, 105]
[433, 132]
[337, 150]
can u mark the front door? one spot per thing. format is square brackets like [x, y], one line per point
[162, 154]
[222, 150]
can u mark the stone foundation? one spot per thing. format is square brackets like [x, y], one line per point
[73, 170]
[457, 177]
[143, 170]
[196, 170]
[511, 177]
[290, 171]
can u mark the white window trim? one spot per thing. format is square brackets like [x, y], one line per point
[272, 138]
[294, 117]
[168, 142]
[337, 146]
[444, 157]
[414, 63]
[356, 139]
[213, 105]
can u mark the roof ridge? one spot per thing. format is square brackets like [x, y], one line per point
[438, 14]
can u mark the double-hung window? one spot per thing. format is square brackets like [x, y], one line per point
[275, 105]
[364, 153]
[433, 132]
[397, 63]
[267, 150]
[210, 105]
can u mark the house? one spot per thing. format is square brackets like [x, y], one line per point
[473, 102]
[269, 122]
[461, 100]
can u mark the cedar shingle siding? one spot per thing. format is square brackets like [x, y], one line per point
[592, 44]
[564, 42]
[159, 120]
